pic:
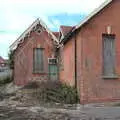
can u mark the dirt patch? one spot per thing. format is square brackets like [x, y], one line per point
[7, 113]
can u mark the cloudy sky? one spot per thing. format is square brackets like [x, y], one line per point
[17, 15]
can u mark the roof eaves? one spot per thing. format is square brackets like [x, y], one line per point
[14, 45]
[94, 13]
[28, 30]
[86, 20]
[48, 30]
[66, 37]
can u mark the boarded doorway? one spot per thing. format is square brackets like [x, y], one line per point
[53, 72]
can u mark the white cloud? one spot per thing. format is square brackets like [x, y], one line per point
[5, 41]
[52, 6]
[7, 38]
[17, 15]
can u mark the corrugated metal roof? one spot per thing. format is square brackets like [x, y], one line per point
[65, 29]
[56, 34]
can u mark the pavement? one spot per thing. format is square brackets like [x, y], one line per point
[5, 73]
[12, 110]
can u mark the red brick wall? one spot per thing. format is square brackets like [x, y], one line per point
[67, 74]
[92, 86]
[23, 71]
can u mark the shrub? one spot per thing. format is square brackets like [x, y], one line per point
[54, 92]
[6, 80]
[64, 94]
[11, 59]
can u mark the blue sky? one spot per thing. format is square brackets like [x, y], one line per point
[17, 15]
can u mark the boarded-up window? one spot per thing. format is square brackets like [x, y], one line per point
[108, 55]
[38, 66]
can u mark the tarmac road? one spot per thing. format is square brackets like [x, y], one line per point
[39, 113]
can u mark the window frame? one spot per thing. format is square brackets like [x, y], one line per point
[114, 75]
[34, 69]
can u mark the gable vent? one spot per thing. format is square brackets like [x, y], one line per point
[52, 60]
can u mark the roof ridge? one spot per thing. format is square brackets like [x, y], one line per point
[28, 30]
[94, 12]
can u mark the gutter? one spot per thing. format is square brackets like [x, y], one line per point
[75, 45]
[84, 21]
